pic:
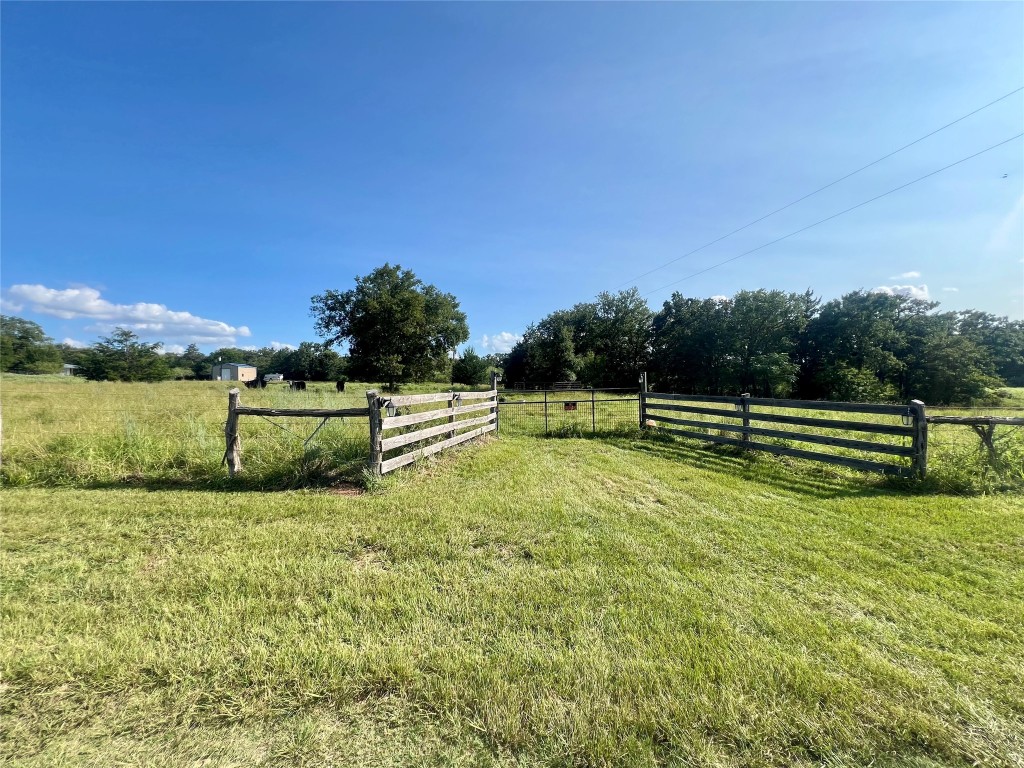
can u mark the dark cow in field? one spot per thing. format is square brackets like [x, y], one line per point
[298, 386]
[254, 384]
[340, 386]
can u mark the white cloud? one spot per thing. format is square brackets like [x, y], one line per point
[951, 290]
[171, 349]
[912, 291]
[148, 320]
[74, 343]
[500, 342]
[281, 345]
[6, 305]
[719, 298]
[906, 276]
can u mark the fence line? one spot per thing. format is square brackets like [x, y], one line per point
[379, 445]
[666, 415]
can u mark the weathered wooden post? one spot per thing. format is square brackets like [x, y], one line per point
[545, 412]
[919, 467]
[745, 407]
[233, 449]
[376, 454]
[642, 396]
[495, 378]
[453, 401]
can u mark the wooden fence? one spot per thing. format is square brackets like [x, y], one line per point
[679, 414]
[233, 440]
[393, 418]
[459, 429]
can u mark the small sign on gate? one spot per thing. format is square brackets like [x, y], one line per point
[570, 406]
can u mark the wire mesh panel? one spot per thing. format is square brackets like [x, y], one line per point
[567, 412]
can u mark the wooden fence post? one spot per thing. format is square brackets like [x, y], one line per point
[642, 397]
[593, 412]
[495, 378]
[745, 407]
[453, 402]
[376, 454]
[233, 449]
[919, 466]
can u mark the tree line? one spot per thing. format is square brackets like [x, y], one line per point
[123, 356]
[863, 346]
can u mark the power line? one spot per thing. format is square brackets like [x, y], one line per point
[836, 215]
[822, 189]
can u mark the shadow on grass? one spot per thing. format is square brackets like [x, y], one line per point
[795, 475]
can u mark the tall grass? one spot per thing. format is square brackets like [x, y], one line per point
[62, 431]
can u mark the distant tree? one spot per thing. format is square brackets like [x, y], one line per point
[765, 330]
[310, 362]
[470, 368]
[692, 346]
[604, 343]
[946, 368]
[866, 333]
[1001, 337]
[122, 357]
[194, 361]
[397, 328]
[25, 348]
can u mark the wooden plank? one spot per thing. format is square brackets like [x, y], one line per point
[414, 437]
[694, 398]
[477, 395]
[813, 405]
[433, 397]
[973, 420]
[828, 458]
[390, 422]
[437, 397]
[693, 409]
[803, 437]
[321, 413]
[853, 426]
[830, 405]
[409, 458]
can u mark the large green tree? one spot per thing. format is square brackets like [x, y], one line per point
[25, 348]
[470, 368]
[397, 328]
[122, 357]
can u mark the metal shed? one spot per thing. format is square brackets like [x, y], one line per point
[233, 372]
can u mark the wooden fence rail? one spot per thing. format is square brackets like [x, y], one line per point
[677, 414]
[451, 425]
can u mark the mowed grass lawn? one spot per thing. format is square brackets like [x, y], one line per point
[617, 601]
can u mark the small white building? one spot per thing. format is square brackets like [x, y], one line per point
[233, 372]
[69, 370]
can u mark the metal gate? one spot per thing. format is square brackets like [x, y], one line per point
[567, 411]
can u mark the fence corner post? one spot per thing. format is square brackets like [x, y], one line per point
[642, 397]
[919, 467]
[376, 454]
[495, 378]
[745, 407]
[233, 442]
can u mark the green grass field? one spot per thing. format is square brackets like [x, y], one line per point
[622, 600]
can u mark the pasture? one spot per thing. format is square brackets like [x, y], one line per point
[623, 599]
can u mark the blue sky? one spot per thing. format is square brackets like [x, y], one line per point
[199, 171]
